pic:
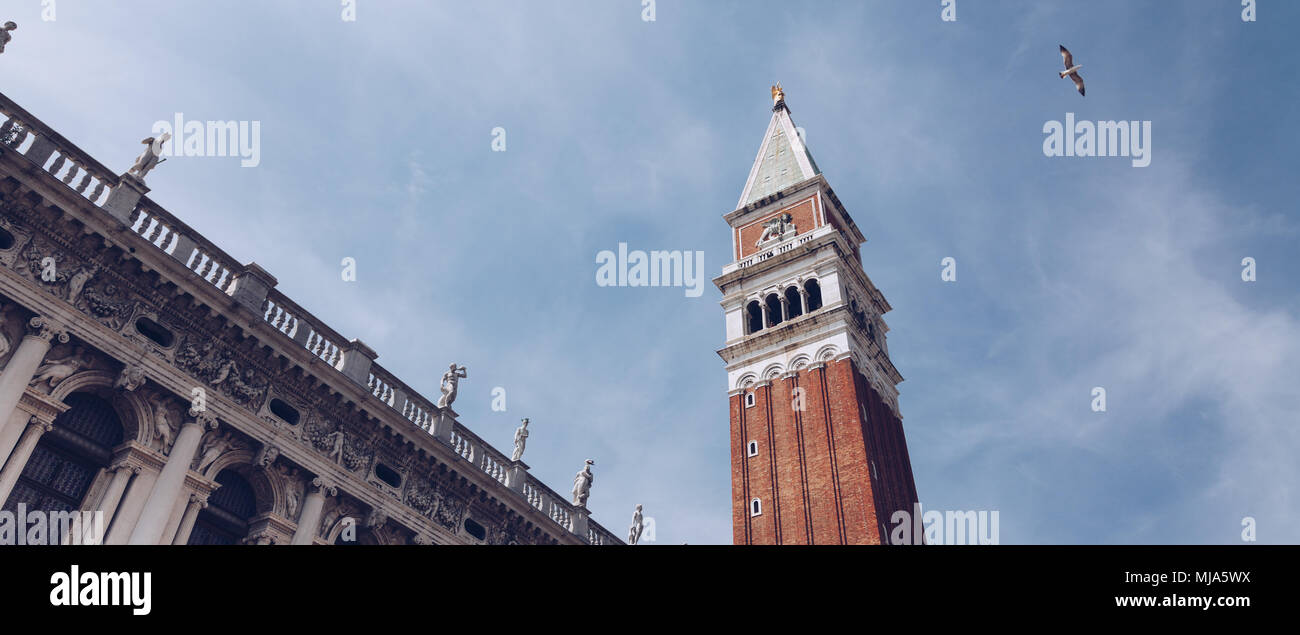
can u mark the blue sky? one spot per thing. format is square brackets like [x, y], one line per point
[1072, 272]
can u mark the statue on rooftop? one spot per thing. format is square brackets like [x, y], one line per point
[634, 532]
[151, 157]
[521, 438]
[582, 484]
[450, 382]
[4, 34]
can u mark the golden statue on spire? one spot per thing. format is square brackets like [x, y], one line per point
[778, 94]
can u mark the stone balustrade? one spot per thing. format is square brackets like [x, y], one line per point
[56, 155]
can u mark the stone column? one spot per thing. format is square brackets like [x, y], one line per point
[763, 305]
[309, 519]
[174, 520]
[116, 487]
[153, 519]
[197, 503]
[803, 299]
[11, 430]
[785, 308]
[31, 352]
[128, 512]
[18, 460]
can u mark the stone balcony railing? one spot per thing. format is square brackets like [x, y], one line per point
[123, 198]
[778, 249]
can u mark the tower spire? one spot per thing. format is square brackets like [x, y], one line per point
[783, 159]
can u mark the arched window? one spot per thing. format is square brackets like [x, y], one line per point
[755, 507]
[225, 520]
[773, 309]
[814, 291]
[753, 317]
[794, 302]
[65, 461]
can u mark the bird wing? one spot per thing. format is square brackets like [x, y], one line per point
[1065, 55]
[1078, 81]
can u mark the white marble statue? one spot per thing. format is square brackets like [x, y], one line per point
[162, 427]
[4, 34]
[582, 484]
[151, 157]
[634, 532]
[450, 382]
[521, 438]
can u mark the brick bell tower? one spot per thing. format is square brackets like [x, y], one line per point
[818, 454]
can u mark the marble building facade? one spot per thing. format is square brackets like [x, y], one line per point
[147, 374]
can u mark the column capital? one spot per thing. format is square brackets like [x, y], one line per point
[324, 487]
[199, 499]
[204, 419]
[47, 330]
[40, 424]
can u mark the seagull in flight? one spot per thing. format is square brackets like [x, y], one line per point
[1071, 69]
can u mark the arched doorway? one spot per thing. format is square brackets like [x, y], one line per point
[65, 461]
[225, 520]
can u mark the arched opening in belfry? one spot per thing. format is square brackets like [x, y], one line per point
[63, 466]
[773, 303]
[793, 302]
[814, 291]
[225, 520]
[753, 317]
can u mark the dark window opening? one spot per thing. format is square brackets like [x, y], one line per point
[64, 463]
[225, 520]
[155, 332]
[773, 310]
[754, 317]
[388, 475]
[285, 411]
[474, 529]
[793, 301]
[814, 291]
[6, 239]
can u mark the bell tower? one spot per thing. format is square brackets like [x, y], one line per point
[818, 454]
